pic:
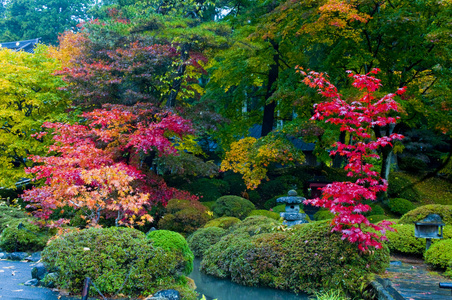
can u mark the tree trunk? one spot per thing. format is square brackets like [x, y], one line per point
[269, 108]
[185, 54]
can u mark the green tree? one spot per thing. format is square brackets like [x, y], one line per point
[45, 19]
[29, 96]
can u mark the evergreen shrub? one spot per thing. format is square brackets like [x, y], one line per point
[118, 260]
[184, 216]
[440, 255]
[233, 206]
[400, 206]
[222, 222]
[419, 213]
[400, 186]
[22, 235]
[174, 242]
[203, 238]
[403, 240]
[266, 213]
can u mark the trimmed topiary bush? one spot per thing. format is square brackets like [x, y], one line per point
[440, 255]
[323, 215]
[400, 186]
[376, 218]
[400, 206]
[118, 260]
[266, 213]
[280, 208]
[208, 189]
[419, 213]
[376, 210]
[174, 242]
[203, 238]
[233, 206]
[184, 216]
[403, 240]
[255, 225]
[223, 222]
[307, 258]
[22, 235]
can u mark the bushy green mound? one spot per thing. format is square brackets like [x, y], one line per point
[255, 225]
[400, 206]
[307, 258]
[184, 216]
[9, 214]
[376, 210]
[233, 206]
[400, 185]
[376, 218]
[280, 208]
[118, 260]
[208, 189]
[223, 222]
[440, 255]
[265, 213]
[174, 242]
[323, 215]
[403, 240]
[22, 235]
[203, 238]
[417, 214]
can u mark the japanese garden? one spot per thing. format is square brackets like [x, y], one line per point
[215, 149]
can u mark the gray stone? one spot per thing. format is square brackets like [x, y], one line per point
[34, 257]
[168, 294]
[396, 263]
[17, 256]
[39, 271]
[3, 255]
[32, 282]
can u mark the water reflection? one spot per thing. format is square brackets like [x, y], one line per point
[223, 289]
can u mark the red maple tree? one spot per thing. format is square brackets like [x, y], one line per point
[99, 165]
[357, 117]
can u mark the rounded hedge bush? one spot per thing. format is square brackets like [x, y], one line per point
[400, 206]
[233, 206]
[280, 208]
[22, 235]
[174, 242]
[265, 213]
[255, 225]
[307, 258]
[118, 260]
[376, 218]
[376, 210]
[184, 216]
[440, 255]
[203, 238]
[399, 186]
[403, 240]
[223, 222]
[323, 215]
[419, 213]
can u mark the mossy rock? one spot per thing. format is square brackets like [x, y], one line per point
[200, 241]
[173, 242]
[233, 206]
[266, 213]
[223, 222]
[419, 213]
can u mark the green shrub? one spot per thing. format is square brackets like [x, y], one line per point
[403, 240]
[400, 206]
[307, 258]
[22, 235]
[203, 238]
[116, 259]
[376, 218]
[277, 186]
[279, 208]
[440, 255]
[9, 214]
[233, 206]
[255, 225]
[323, 215]
[266, 213]
[419, 213]
[236, 183]
[412, 164]
[223, 222]
[208, 189]
[376, 210]
[400, 186]
[174, 242]
[184, 216]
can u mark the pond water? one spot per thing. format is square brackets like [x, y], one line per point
[224, 289]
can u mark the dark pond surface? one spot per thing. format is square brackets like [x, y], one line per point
[224, 289]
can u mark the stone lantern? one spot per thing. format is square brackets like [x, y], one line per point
[292, 215]
[429, 228]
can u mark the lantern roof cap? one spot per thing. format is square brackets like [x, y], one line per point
[431, 219]
[292, 198]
